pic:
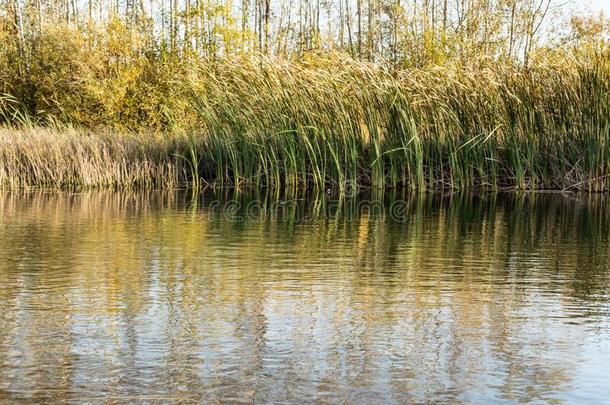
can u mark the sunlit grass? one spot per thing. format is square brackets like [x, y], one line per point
[71, 159]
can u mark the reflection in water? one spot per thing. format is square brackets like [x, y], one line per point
[163, 297]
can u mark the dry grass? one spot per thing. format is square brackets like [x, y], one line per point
[71, 158]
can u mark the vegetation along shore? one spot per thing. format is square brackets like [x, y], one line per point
[106, 98]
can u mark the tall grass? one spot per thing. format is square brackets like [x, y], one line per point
[73, 159]
[330, 121]
[341, 122]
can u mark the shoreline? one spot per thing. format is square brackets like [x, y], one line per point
[69, 159]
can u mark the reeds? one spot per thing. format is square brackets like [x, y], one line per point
[342, 122]
[73, 159]
[330, 121]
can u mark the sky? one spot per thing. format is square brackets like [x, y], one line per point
[597, 5]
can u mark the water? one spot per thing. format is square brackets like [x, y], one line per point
[162, 297]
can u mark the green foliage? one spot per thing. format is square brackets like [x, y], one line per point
[94, 77]
[332, 121]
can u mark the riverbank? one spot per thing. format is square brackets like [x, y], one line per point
[325, 123]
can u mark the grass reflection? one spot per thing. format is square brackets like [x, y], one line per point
[277, 297]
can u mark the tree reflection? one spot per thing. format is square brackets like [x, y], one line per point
[311, 297]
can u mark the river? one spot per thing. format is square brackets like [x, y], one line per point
[159, 297]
